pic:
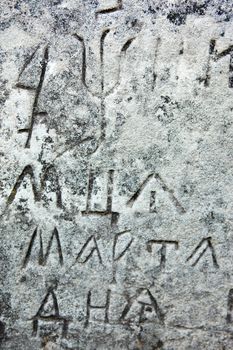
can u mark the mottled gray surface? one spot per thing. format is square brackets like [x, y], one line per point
[116, 174]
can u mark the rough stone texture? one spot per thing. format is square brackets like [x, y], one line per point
[116, 174]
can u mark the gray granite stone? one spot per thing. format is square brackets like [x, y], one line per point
[116, 174]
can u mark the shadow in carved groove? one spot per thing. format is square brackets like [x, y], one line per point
[35, 111]
[43, 256]
[102, 94]
[214, 56]
[49, 174]
[54, 315]
[118, 7]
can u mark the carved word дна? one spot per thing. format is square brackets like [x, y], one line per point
[140, 308]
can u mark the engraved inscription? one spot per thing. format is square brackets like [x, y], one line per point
[200, 250]
[214, 56]
[49, 312]
[49, 175]
[38, 89]
[229, 317]
[165, 188]
[88, 249]
[103, 93]
[142, 305]
[121, 244]
[109, 199]
[43, 256]
[163, 250]
[104, 307]
[118, 207]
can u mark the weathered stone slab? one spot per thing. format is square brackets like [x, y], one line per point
[116, 175]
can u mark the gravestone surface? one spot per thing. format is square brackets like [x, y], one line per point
[116, 174]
